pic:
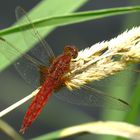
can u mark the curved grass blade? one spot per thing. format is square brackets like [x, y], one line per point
[73, 18]
[113, 128]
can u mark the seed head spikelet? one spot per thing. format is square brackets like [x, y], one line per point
[98, 61]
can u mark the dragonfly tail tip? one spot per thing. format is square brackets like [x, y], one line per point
[22, 130]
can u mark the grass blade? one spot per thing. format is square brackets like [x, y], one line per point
[73, 18]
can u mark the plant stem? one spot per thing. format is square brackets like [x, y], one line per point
[17, 104]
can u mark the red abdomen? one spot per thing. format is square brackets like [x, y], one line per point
[37, 104]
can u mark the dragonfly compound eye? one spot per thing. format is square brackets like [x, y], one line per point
[72, 50]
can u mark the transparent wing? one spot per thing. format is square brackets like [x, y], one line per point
[42, 52]
[31, 35]
[30, 66]
[91, 97]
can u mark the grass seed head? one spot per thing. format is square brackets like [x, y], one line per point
[104, 59]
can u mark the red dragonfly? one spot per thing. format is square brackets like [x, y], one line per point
[47, 71]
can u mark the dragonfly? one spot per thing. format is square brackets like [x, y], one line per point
[40, 67]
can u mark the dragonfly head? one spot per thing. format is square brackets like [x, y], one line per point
[72, 50]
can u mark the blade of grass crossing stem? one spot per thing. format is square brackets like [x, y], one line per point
[43, 9]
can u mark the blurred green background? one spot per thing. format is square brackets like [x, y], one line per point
[58, 114]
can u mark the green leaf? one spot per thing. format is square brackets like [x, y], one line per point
[120, 92]
[132, 116]
[73, 18]
[135, 102]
